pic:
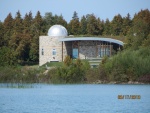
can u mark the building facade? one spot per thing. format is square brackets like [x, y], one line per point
[58, 44]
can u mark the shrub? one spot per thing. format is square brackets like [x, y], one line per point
[128, 65]
[67, 61]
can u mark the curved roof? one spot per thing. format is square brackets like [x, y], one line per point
[92, 39]
[57, 30]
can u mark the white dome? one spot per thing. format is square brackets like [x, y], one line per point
[57, 30]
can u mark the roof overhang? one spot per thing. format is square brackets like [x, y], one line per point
[110, 40]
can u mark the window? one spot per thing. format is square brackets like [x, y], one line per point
[42, 52]
[107, 51]
[54, 52]
[104, 51]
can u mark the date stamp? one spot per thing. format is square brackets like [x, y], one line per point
[129, 96]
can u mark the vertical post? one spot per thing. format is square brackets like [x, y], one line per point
[110, 49]
[72, 49]
[78, 49]
[105, 49]
[96, 50]
[62, 51]
[102, 49]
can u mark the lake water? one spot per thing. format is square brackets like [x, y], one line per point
[44, 98]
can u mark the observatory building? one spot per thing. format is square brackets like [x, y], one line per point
[58, 44]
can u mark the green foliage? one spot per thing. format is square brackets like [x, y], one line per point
[7, 30]
[92, 25]
[127, 23]
[139, 33]
[83, 25]
[128, 65]
[67, 61]
[107, 28]
[92, 75]
[7, 57]
[74, 25]
[24, 74]
[116, 25]
[70, 73]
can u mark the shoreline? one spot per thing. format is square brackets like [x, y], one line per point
[114, 82]
[97, 82]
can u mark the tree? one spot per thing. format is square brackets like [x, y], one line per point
[15, 41]
[83, 25]
[37, 31]
[60, 20]
[27, 22]
[17, 27]
[75, 16]
[127, 24]
[139, 32]
[116, 25]
[100, 26]
[74, 25]
[144, 16]
[48, 21]
[7, 29]
[92, 25]
[7, 56]
[1, 34]
[107, 27]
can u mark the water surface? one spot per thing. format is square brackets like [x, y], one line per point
[44, 98]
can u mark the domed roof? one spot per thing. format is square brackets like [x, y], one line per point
[57, 30]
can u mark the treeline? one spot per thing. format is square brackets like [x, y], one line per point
[19, 36]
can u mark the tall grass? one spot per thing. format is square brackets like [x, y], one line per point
[22, 74]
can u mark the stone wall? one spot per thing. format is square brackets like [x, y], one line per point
[47, 44]
[87, 49]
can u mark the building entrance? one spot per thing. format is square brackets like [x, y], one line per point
[75, 53]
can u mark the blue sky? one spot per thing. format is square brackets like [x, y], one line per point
[101, 8]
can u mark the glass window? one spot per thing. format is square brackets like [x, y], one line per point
[54, 52]
[107, 51]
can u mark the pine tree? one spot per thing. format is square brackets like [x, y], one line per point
[127, 24]
[75, 16]
[139, 33]
[1, 34]
[83, 25]
[37, 31]
[8, 29]
[18, 28]
[27, 23]
[74, 25]
[16, 38]
[100, 26]
[92, 25]
[48, 21]
[107, 28]
[116, 25]
[60, 20]
[26, 36]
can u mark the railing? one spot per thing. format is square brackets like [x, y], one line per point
[94, 62]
